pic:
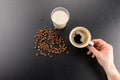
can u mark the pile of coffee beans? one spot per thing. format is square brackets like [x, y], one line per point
[48, 43]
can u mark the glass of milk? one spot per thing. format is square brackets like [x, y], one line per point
[60, 17]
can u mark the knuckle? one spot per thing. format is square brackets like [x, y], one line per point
[99, 39]
[110, 46]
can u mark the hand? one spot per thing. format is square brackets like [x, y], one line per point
[102, 51]
[104, 55]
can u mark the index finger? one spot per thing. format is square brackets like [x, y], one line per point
[99, 41]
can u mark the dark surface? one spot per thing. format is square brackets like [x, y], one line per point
[19, 20]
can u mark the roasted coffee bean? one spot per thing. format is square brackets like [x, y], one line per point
[45, 41]
[37, 54]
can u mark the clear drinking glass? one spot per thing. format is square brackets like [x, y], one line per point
[60, 16]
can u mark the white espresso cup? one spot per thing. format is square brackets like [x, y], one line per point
[80, 37]
[60, 16]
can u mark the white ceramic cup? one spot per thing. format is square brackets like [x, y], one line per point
[85, 38]
[60, 16]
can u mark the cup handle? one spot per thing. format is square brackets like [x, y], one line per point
[91, 43]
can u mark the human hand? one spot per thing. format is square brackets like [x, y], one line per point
[102, 51]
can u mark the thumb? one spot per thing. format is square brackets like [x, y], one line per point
[93, 50]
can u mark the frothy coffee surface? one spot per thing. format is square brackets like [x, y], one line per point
[80, 37]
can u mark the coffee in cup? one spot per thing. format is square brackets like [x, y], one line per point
[80, 37]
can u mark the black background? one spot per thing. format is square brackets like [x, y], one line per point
[19, 20]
